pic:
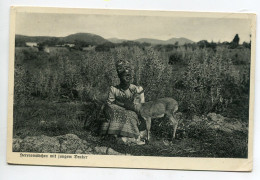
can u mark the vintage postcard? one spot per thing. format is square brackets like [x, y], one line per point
[131, 89]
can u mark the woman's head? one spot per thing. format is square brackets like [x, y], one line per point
[124, 72]
[125, 77]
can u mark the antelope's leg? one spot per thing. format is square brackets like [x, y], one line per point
[174, 123]
[174, 130]
[148, 127]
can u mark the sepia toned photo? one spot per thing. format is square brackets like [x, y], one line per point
[131, 89]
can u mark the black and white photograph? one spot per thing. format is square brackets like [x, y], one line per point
[160, 86]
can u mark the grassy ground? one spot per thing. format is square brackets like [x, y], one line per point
[53, 119]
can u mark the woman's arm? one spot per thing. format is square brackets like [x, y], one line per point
[112, 99]
[111, 96]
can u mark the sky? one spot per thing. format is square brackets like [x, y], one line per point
[133, 27]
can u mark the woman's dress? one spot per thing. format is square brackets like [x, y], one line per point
[120, 121]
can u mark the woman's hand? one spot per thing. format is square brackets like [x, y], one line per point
[129, 105]
[119, 104]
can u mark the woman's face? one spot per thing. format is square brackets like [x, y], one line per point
[126, 78]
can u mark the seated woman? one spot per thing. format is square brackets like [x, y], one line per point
[122, 120]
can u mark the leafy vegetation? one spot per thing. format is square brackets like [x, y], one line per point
[56, 91]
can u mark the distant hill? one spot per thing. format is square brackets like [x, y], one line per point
[181, 41]
[94, 39]
[116, 40]
[86, 37]
[151, 41]
[32, 38]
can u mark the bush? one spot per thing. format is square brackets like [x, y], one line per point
[201, 80]
[175, 58]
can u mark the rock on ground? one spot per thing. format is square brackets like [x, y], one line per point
[69, 144]
[225, 124]
[41, 144]
[219, 122]
[16, 144]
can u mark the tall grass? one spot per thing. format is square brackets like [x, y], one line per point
[201, 80]
[54, 93]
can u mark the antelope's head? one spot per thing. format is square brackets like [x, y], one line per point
[137, 98]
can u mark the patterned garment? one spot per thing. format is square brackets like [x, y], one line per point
[120, 121]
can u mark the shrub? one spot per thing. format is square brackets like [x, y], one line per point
[201, 80]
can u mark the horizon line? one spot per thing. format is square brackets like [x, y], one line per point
[124, 38]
